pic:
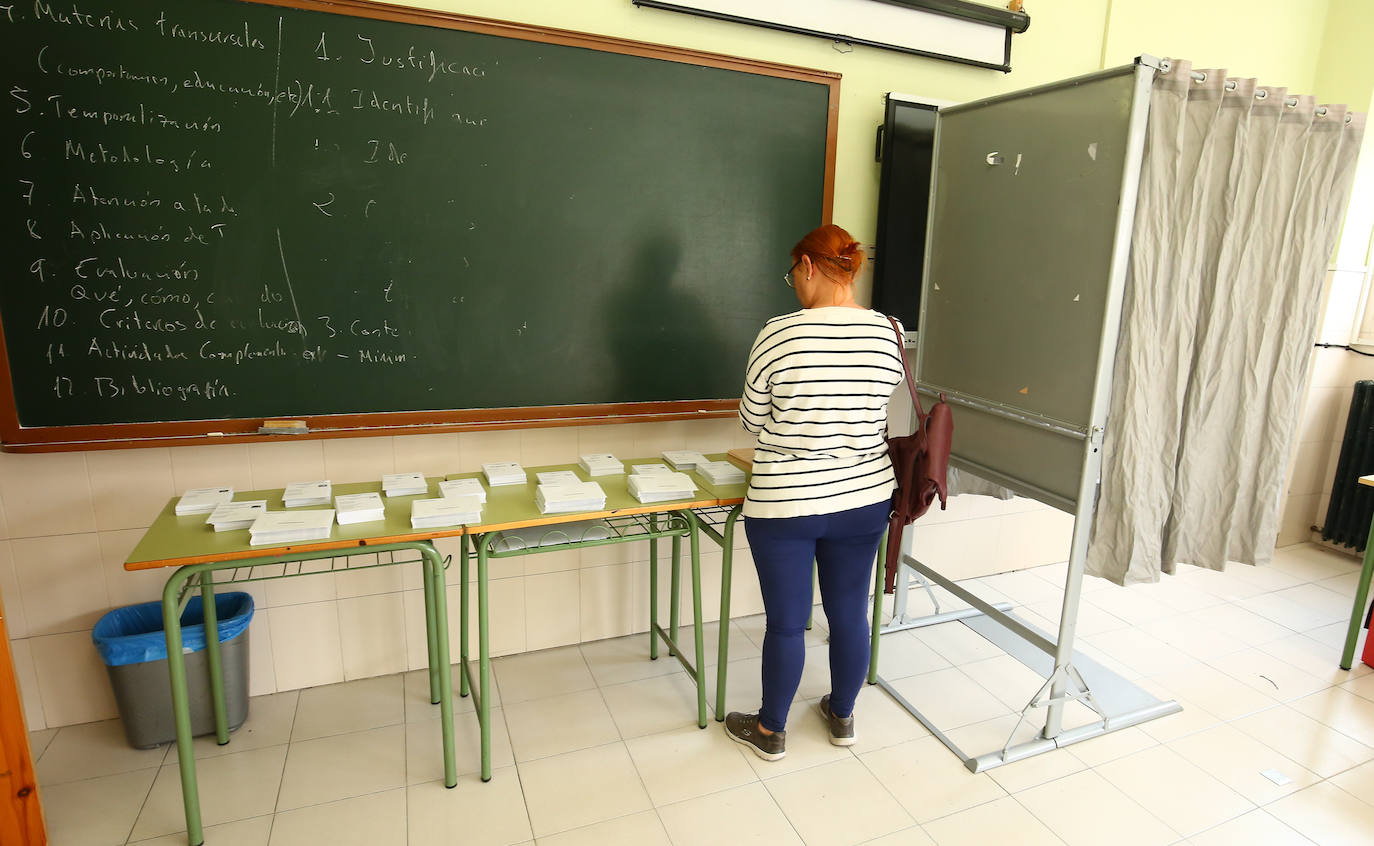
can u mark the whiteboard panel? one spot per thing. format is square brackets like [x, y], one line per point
[881, 23]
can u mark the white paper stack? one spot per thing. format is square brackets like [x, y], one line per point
[644, 469]
[471, 486]
[229, 516]
[684, 459]
[445, 511]
[661, 487]
[504, 473]
[721, 473]
[359, 508]
[202, 500]
[298, 494]
[601, 464]
[280, 527]
[404, 484]
[558, 477]
[567, 498]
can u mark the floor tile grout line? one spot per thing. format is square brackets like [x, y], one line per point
[128, 838]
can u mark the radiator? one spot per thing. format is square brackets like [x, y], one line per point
[1352, 504]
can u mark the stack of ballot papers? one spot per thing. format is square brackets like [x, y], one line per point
[281, 527]
[470, 486]
[445, 511]
[601, 464]
[558, 477]
[640, 469]
[236, 515]
[683, 459]
[404, 484]
[721, 473]
[202, 500]
[299, 494]
[660, 487]
[504, 473]
[568, 497]
[359, 508]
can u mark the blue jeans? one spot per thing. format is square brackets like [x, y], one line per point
[843, 545]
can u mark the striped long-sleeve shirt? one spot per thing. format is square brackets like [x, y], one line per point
[816, 392]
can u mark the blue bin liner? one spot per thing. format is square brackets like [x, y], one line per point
[134, 634]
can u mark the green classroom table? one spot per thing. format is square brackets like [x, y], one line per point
[198, 554]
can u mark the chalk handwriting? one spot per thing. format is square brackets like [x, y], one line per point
[44, 12]
[246, 40]
[144, 116]
[102, 155]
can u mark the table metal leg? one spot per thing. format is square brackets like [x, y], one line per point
[212, 657]
[1361, 595]
[653, 592]
[878, 573]
[435, 564]
[181, 706]
[463, 616]
[674, 617]
[727, 554]
[700, 662]
[484, 662]
[431, 635]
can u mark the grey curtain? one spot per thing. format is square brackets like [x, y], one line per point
[1240, 203]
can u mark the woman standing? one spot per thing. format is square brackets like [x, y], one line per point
[816, 393]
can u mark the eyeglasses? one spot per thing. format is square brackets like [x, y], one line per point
[787, 277]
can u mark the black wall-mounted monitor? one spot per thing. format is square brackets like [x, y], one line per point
[905, 147]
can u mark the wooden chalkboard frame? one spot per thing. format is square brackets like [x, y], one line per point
[17, 438]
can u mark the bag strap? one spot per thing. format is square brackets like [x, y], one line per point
[910, 382]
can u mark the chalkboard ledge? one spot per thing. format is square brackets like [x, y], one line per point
[201, 432]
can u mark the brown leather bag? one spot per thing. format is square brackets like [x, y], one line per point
[921, 462]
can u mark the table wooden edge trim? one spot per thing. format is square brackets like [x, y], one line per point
[457, 531]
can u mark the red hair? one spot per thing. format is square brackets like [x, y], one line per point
[832, 250]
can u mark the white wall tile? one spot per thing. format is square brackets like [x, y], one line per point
[61, 581]
[555, 445]
[129, 487]
[373, 635]
[1319, 414]
[27, 678]
[211, 466]
[478, 448]
[262, 674]
[433, 455]
[1299, 514]
[653, 438]
[710, 434]
[278, 464]
[610, 605]
[351, 583]
[127, 587]
[556, 561]
[360, 459]
[46, 493]
[306, 650]
[317, 587]
[1306, 474]
[552, 610]
[16, 621]
[961, 550]
[1034, 538]
[745, 596]
[506, 618]
[417, 647]
[71, 679]
[617, 439]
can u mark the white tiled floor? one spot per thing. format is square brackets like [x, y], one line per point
[594, 744]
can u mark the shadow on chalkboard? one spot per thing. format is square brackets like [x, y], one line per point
[658, 315]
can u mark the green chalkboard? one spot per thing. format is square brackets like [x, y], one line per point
[217, 212]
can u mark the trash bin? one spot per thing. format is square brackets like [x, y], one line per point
[133, 645]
